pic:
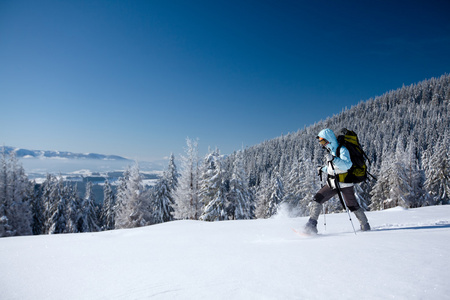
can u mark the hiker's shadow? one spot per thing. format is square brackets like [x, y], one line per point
[417, 227]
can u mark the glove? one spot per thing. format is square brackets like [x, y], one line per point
[329, 157]
[319, 170]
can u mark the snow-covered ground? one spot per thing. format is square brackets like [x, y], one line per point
[406, 256]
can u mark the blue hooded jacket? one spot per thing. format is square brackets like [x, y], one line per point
[341, 163]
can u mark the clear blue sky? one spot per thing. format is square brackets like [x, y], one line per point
[135, 78]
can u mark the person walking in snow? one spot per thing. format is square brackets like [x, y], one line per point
[335, 166]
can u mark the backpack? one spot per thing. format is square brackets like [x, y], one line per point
[358, 172]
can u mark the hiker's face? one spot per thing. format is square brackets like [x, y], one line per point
[323, 142]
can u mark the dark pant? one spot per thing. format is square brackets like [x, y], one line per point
[326, 193]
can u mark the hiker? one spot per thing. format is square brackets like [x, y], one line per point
[335, 165]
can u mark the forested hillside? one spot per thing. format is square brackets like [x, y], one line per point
[405, 133]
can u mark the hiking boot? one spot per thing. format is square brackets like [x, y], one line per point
[311, 227]
[362, 219]
[365, 227]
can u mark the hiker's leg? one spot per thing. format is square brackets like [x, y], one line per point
[352, 204]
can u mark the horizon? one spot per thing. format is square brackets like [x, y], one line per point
[136, 79]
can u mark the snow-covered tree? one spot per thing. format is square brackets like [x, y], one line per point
[380, 191]
[397, 183]
[263, 193]
[73, 210]
[239, 195]
[187, 198]
[162, 201]
[413, 176]
[49, 196]
[404, 178]
[215, 210]
[293, 185]
[20, 210]
[437, 170]
[108, 212]
[15, 210]
[121, 196]
[212, 189]
[172, 175]
[88, 216]
[58, 218]
[5, 227]
[163, 197]
[210, 179]
[276, 194]
[134, 207]
[309, 182]
[37, 210]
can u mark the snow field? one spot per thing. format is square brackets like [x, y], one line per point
[404, 257]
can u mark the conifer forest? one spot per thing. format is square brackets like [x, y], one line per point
[405, 134]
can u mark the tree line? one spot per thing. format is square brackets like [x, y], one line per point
[55, 206]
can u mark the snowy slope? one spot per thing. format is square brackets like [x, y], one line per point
[405, 257]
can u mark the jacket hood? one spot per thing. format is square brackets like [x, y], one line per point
[328, 134]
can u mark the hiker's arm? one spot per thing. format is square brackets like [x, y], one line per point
[343, 162]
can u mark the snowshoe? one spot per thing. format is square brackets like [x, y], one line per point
[311, 227]
[365, 227]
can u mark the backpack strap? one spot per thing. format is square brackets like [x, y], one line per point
[338, 150]
[340, 177]
[365, 155]
[372, 176]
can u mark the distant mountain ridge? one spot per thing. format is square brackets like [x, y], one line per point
[25, 153]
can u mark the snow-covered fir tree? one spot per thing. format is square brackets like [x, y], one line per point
[37, 209]
[293, 186]
[276, 194]
[263, 193]
[437, 170]
[134, 208]
[399, 188]
[163, 197]
[108, 212]
[19, 212]
[215, 210]
[58, 218]
[187, 195]
[413, 177]
[162, 201]
[121, 196]
[309, 182]
[210, 179]
[5, 228]
[49, 196]
[88, 217]
[15, 210]
[172, 175]
[239, 197]
[212, 188]
[73, 210]
[381, 189]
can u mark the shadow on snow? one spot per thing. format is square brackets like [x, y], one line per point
[418, 227]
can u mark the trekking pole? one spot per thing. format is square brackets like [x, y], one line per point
[323, 207]
[336, 182]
